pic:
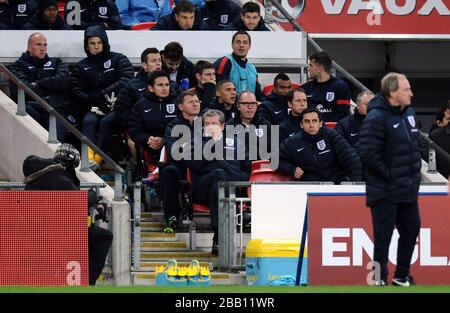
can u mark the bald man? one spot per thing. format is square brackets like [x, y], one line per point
[47, 77]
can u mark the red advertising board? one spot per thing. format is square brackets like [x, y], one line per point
[415, 17]
[43, 238]
[340, 241]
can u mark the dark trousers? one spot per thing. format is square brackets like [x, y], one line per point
[169, 182]
[99, 240]
[405, 216]
[105, 125]
[41, 116]
[206, 192]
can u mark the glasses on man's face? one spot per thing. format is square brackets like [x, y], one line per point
[249, 104]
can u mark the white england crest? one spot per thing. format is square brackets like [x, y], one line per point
[321, 145]
[224, 18]
[330, 96]
[259, 132]
[21, 8]
[229, 142]
[412, 121]
[48, 64]
[107, 64]
[170, 108]
[102, 10]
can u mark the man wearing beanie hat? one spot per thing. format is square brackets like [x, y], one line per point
[47, 17]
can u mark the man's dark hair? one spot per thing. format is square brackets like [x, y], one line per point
[201, 66]
[184, 94]
[173, 51]
[146, 52]
[184, 7]
[223, 82]
[241, 32]
[291, 93]
[441, 113]
[312, 110]
[280, 76]
[154, 75]
[322, 58]
[251, 7]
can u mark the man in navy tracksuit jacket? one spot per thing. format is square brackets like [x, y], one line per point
[48, 77]
[253, 125]
[328, 94]
[14, 14]
[95, 12]
[184, 16]
[319, 153]
[135, 88]
[249, 19]
[389, 147]
[96, 80]
[151, 114]
[297, 102]
[207, 174]
[47, 17]
[219, 13]
[349, 126]
[275, 107]
[175, 169]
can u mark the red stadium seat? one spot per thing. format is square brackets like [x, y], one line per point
[259, 164]
[143, 26]
[267, 175]
[268, 88]
[330, 124]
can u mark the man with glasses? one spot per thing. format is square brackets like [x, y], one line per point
[251, 122]
[297, 103]
[319, 153]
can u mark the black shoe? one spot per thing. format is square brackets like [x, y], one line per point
[215, 249]
[171, 225]
[403, 282]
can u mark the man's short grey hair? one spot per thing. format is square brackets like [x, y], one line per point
[362, 94]
[389, 83]
[212, 113]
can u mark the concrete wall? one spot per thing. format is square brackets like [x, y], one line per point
[21, 136]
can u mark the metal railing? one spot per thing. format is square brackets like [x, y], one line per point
[54, 117]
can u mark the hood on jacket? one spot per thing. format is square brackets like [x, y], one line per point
[96, 31]
[33, 163]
